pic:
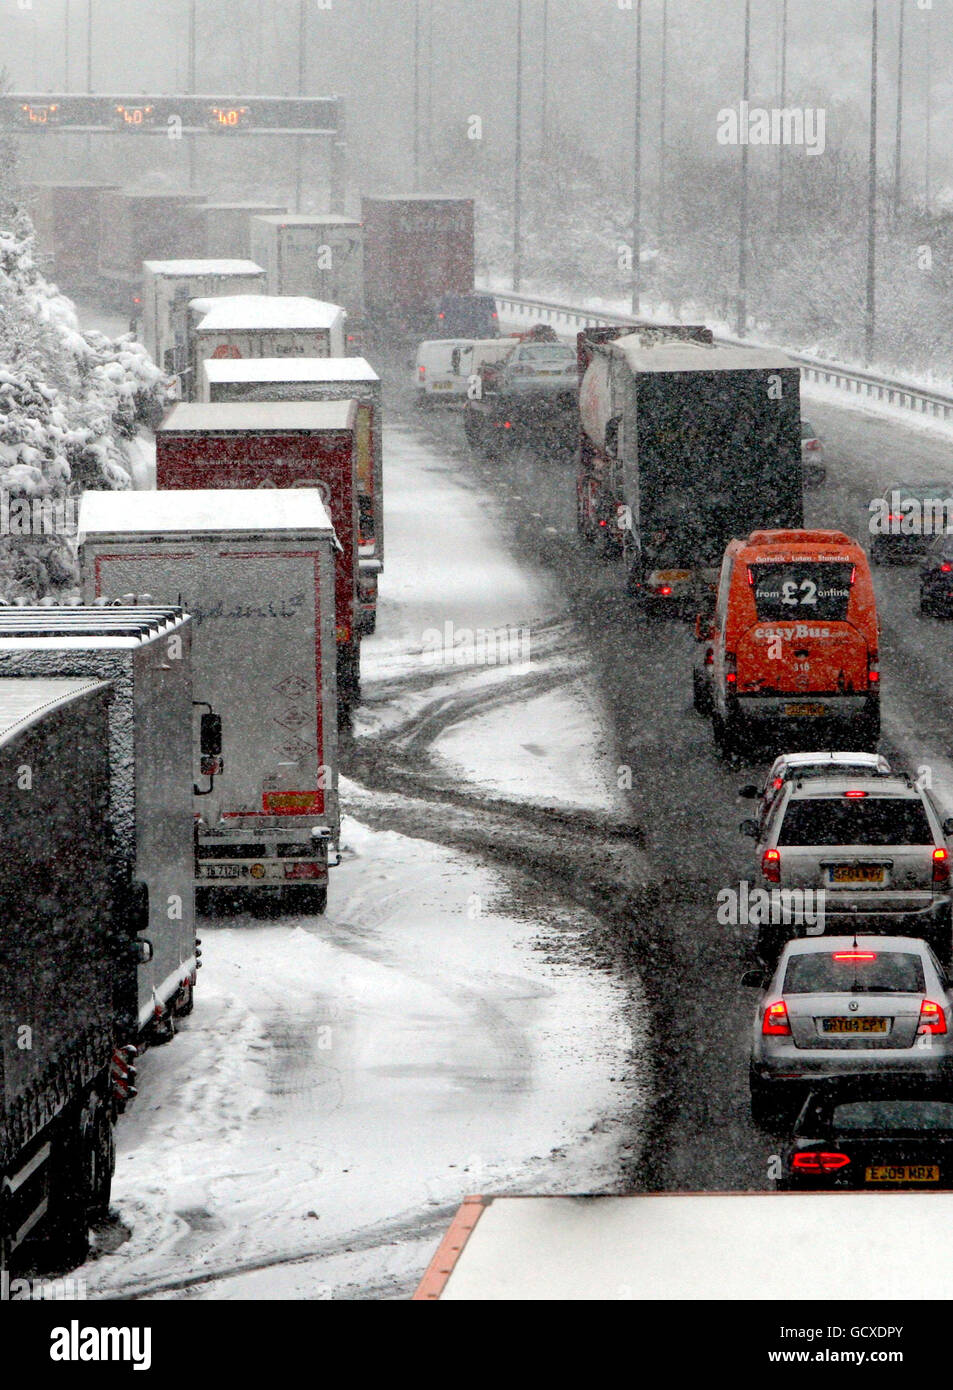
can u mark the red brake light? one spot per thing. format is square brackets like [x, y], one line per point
[932, 1018]
[941, 866]
[946, 568]
[507, 425]
[665, 589]
[853, 574]
[775, 1023]
[812, 444]
[441, 316]
[771, 865]
[422, 373]
[778, 783]
[854, 955]
[750, 575]
[819, 1161]
[892, 517]
[855, 793]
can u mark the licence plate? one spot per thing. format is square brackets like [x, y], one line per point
[855, 873]
[802, 711]
[443, 385]
[223, 871]
[673, 576]
[854, 1025]
[904, 1172]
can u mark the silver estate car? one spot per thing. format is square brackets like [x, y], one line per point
[845, 1005]
[869, 853]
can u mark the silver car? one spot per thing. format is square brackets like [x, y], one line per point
[789, 766]
[863, 854]
[848, 1005]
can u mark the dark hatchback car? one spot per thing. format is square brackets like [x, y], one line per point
[912, 518]
[873, 1133]
[467, 316]
[936, 579]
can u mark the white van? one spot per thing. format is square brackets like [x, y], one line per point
[439, 371]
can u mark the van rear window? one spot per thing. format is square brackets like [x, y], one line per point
[871, 820]
[805, 589]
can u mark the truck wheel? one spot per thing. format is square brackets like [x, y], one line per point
[103, 1162]
[63, 1241]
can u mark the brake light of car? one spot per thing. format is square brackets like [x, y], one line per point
[854, 955]
[778, 783]
[771, 865]
[946, 567]
[441, 315]
[855, 793]
[932, 1018]
[818, 1161]
[751, 576]
[775, 1023]
[853, 574]
[422, 373]
[709, 657]
[892, 516]
[731, 668]
[873, 669]
[664, 589]
[941, 865]
[812, 443]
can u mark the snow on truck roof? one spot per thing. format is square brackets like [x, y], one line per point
[666, 1245]
[272, 417]
[304, 219]
[187, 268]
[210, 511]
[261, 312]
[677, 356]
[25, 700]
[279, 369]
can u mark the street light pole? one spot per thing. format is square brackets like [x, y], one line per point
[871, 307]
[784, 102]
[89, 46]
[518, 156]
[897, 154]
[637, 168]
[416, 96]
[742, 316]
[661, 128]
[302, 72]
[544, 96]
[66, 46]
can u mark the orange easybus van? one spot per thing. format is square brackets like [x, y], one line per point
[794, 641]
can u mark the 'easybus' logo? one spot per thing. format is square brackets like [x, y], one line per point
[792, 633]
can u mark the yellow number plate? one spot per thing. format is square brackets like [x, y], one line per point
[798, 711]
[854, 1025]
[904, 1172]
[857, 873]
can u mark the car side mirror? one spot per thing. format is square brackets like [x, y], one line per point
[753, 979]
[210, 735]
[749, 791]
[948, 826]
[749, 827]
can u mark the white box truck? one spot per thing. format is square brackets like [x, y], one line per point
[144, 654]
[256, 569]
[322, 257]
[167, 287]
[264, 326]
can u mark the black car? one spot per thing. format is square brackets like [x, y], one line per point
[936, 579]
[873, 1133]
[908, 520]
[467, 316]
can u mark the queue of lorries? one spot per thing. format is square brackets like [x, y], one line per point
[171, 741]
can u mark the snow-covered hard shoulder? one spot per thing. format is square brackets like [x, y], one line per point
[247, 511]
[276, 417]
[280, 369]
[250, 312]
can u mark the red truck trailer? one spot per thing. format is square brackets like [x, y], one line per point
[416, 250]
[280, 444]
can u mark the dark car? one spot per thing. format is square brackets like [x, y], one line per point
[908, 521]
[872, 1133]
[936, 579]
[467, 316]
[812, 456]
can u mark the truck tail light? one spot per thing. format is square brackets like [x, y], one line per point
[932, 1018]
[771, 865]
[304, 871]
[941, 866]
[775, 1023]
[422, 373]
[731, 668]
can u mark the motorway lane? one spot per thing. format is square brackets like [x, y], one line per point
[684, 795]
